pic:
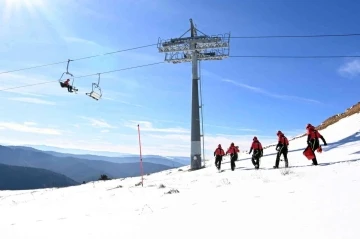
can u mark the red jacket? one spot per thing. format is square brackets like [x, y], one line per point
[313, 134]
[256, 146]
[232, 150]
[282, 140]
[219, 152]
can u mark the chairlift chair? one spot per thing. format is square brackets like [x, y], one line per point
[96, 90]
[61, 81]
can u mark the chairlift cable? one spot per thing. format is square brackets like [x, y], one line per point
[300, 36]
[296, 57]
[106, 72]
[76, 59]
[149, 45]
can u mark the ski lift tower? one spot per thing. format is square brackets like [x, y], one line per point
[194, 49]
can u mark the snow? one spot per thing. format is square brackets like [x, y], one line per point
[303, 201]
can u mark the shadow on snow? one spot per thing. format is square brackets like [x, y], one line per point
[300, 166]
[352, 138]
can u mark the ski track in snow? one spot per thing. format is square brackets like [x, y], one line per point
[303, 201]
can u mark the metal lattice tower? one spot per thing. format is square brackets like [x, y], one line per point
[194, 49]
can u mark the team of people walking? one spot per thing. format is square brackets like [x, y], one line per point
[313, 145]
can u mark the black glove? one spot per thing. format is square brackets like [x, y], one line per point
[325, 144]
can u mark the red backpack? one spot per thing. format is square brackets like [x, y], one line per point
[286, 141]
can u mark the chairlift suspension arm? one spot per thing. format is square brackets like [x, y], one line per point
[67, 72]
[67, 68]
[99, 79]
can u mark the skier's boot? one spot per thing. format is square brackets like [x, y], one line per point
[277, 161]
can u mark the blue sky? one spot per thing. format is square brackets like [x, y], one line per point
[243, 97]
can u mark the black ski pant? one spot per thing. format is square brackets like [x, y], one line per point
[233, 158]
[218, 159]
[69, 87]
[282, 151]
[314, 145]
[255, 159]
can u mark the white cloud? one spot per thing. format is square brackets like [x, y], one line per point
[350, 69]
[122, 102]
[274, 95]
[79, 40]
[98, 123]
[89, 9]
[148, 127]
[30, 123]
[32, 100]
[31, 85]
[26, 128]
[108, 98]
[128, 103]
[105, 131]
[23, 93]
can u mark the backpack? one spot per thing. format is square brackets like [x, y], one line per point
[286, 141]
[315, 134]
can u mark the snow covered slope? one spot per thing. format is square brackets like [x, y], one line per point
[305, 201]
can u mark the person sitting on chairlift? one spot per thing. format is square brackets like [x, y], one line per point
[67, 84]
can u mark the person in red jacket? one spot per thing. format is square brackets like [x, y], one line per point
[313, 142]
[282, 148]
[258, 152]
[218, 153]
[67, 85]
[232, 150]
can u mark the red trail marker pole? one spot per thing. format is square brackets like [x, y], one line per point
[141, 165]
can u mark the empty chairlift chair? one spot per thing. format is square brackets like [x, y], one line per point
[96, 90]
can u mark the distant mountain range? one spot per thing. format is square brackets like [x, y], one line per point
[172, 161]
[85, 167]
[19, 178]
[76, 152]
